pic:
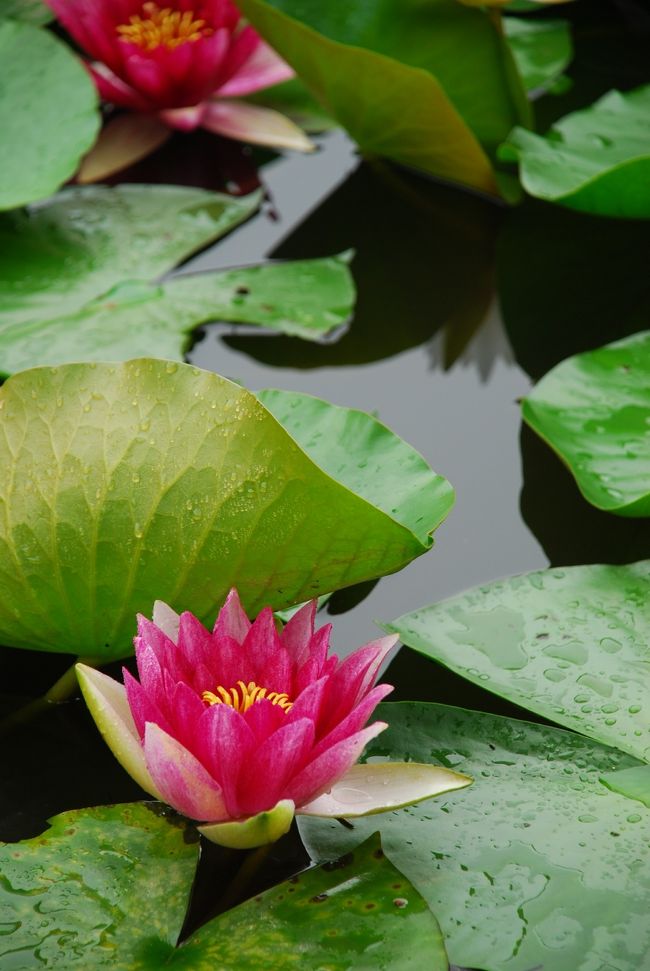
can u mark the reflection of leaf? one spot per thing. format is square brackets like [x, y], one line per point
[542, 49]
[535, 864]
[307, 299]
[79, 245]
[594, 411]
[122, 484]
[390, 76]
[570, 644]
[596, 160]
[108, 887]
[48, 117]
[115, 877]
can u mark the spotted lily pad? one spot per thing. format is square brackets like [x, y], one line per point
[570, 644]
[108, 887]
[594, 411]
[123, 484]
[537, 864]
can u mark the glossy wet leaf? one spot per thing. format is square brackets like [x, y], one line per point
[390, 76]
[84, 242]
[356, 913]
[542, 49]
[334, 437]
[95, 888]
[48, 113]
[596, 160]
[123, 484]
[304, 299]
[594, 411]
[570, 644]
[633, 782]
[29, 11]
[535, 864]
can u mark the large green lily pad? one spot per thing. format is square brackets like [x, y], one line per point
[30, 11]
[123, 484]
[390, 73]
[305, 299]
[96, 886]
[86, 241]
[570, 644]
[108, 887]
[595, 160]
[594, 411]
[537, 864]
[48, 113]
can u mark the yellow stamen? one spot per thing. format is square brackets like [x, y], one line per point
[162, 28]
[242, 696]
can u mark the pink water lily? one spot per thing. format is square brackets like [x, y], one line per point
[241, 727]
[185, 63]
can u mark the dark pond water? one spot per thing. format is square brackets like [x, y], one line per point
[461, 306]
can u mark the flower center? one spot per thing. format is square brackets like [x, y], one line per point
[242, 696]
[162, 28]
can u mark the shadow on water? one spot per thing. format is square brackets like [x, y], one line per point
[424, 260]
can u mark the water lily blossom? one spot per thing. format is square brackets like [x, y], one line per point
[183, 62]
[242, 727]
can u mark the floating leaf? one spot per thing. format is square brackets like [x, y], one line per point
[108, 887]
[29, 11]
[596, 160]
[305, 299]
[542, 49]
[96, 886]
[86, 241]
[48, 113]
[390, 76]
[594, 411]
[535, 864]
[569, 644]
[633, 783]
[123, 484]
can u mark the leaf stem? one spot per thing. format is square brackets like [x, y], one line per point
[60, 692]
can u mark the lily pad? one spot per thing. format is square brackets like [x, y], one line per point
[84, 242]
[569, 644]
[97, 885]
[108, 887]
[594, 411]
[596, 160]
[29, 11]
[123, 484]
[389, 73]
[535, 865]
[305, 299]
[49, 114]
[542, 49]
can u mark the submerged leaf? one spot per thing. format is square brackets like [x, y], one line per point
[569, 644]
[151, 480]
[594, 411]
[595, 160]
[48, 113]
[534, 865]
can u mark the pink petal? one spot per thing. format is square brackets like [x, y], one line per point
[354, 721]
[266, 654]
[184, 119]
[269, 768]
[224, 744]
[180, 778]
[355, 676]
[308, 703]
[321, 774]
[115, 91]
[194, 642]
[143, 708]
[252, 123]
[263, 69]
[314, 666]
[263, 718]
[298, 633]
[379, 787]
[232, 620]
